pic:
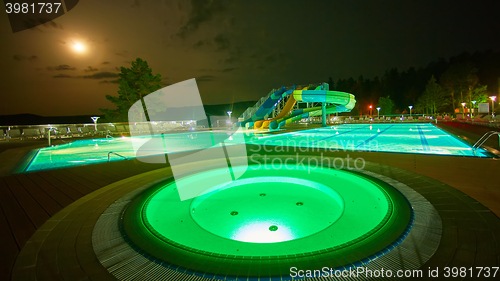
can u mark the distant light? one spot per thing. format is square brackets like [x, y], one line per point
[411, 106]
[229, 113]
[370, 106]
[378, 108]
[473, 102]
[463, 104]
[493, 98]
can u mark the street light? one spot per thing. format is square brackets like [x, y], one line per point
[229, 117]
[370, 110]
[473, 109]
[378, 112]
[410, 107]
[463, 111]
[94, 118]
[493, 98]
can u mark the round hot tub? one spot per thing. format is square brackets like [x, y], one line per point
[267, 221]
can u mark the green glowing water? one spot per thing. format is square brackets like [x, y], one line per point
[270, 212]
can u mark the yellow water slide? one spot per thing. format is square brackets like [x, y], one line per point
[264, 124]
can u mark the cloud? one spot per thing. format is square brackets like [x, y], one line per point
[201, 11]
[53, 24]
[222, 42]
[205, 78]
[90, 69]
[199, 44]
[135, 3]
[31, 58]
[231, 59]
[62, 76]
[35, 24]
[229, 69]
[116, 81]
[105, 62]
[101, 75]
[274, 58]
[61, 67]
[122, 53]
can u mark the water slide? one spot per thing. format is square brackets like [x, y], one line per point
[264, 124]
[266, 107]
[333, 102]
[337, 102]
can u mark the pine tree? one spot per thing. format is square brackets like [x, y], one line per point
[136, 82]
[386, 105]
[433, 99]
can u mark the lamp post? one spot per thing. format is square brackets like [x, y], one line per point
[463, 110]
[410, 107]
[370, 110]
[378, 112]
[473, 109]
[229, 116]
[94, 118]
[493, 98]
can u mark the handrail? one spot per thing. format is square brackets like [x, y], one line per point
[111, 152]
[484, 138]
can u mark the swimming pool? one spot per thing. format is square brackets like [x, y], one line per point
[402, 138]
[423, 138]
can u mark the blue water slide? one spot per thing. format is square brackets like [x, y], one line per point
[267, 106]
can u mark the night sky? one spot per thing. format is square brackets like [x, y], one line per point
[237, 50]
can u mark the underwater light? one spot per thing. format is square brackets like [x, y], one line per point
[263, 232]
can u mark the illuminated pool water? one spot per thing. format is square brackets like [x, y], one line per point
[421, 138]
[401, 138]
[266, 209]
[269, 220]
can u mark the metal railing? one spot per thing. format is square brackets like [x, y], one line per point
[114, 153]
[249, 112]
[63, 131]
[483, 139]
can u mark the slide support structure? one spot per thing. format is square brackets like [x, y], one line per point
[323, 109]
[326, 87]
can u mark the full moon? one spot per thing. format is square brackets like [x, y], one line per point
[78, 47]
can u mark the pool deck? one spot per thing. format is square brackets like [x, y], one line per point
[471, 236]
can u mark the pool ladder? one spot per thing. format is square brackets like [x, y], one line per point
[111, 152]
[483, 139]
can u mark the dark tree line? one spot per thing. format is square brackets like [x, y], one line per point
[441, 86]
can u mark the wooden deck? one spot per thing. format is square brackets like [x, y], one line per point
[27, 201]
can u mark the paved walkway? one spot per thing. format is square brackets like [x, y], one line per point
[27, 201]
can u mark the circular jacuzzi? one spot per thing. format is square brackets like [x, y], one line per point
[267, 220]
